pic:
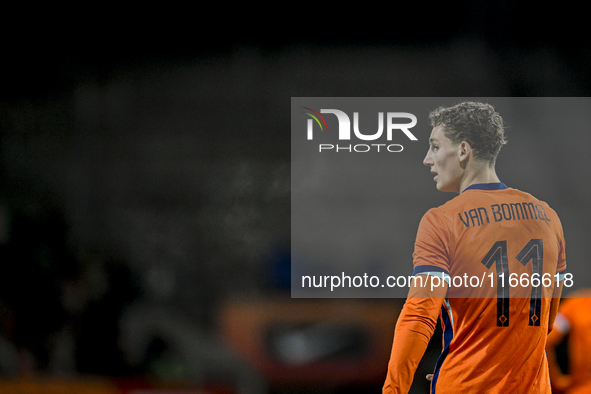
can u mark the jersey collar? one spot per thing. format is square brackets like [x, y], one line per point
[487, 186]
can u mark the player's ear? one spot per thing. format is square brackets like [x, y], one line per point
[465, 150]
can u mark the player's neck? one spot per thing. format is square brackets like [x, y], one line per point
[479, 174]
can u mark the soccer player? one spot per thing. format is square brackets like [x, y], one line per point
[573, 321]
[501, 254]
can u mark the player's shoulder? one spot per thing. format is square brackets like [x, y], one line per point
[533, 199]
[437, 212]
[442, 212]
[452, 205]
[434, 218]
[439, 218]
[525, 195]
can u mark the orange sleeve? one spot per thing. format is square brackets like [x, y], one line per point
[414, 329]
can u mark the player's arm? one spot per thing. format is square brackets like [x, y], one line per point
[414, 329]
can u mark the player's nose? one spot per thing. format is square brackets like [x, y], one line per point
[428, 161]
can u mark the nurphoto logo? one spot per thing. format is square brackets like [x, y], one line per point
[393, 126]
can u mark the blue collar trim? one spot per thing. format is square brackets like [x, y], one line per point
[487, 186]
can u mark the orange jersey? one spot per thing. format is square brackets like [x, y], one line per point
[574, 321]
[485, 240]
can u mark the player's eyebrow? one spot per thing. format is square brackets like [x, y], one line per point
[432, 140]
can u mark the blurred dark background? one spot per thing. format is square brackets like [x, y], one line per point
[145, 195]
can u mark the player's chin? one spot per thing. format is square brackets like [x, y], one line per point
[442, 187]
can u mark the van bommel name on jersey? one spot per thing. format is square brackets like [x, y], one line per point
[393, 126]
[499, 212]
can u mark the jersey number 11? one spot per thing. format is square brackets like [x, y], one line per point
[533, 251]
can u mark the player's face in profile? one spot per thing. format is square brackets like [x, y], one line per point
[443, 158]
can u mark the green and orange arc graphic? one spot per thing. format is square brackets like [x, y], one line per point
[315, 118]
